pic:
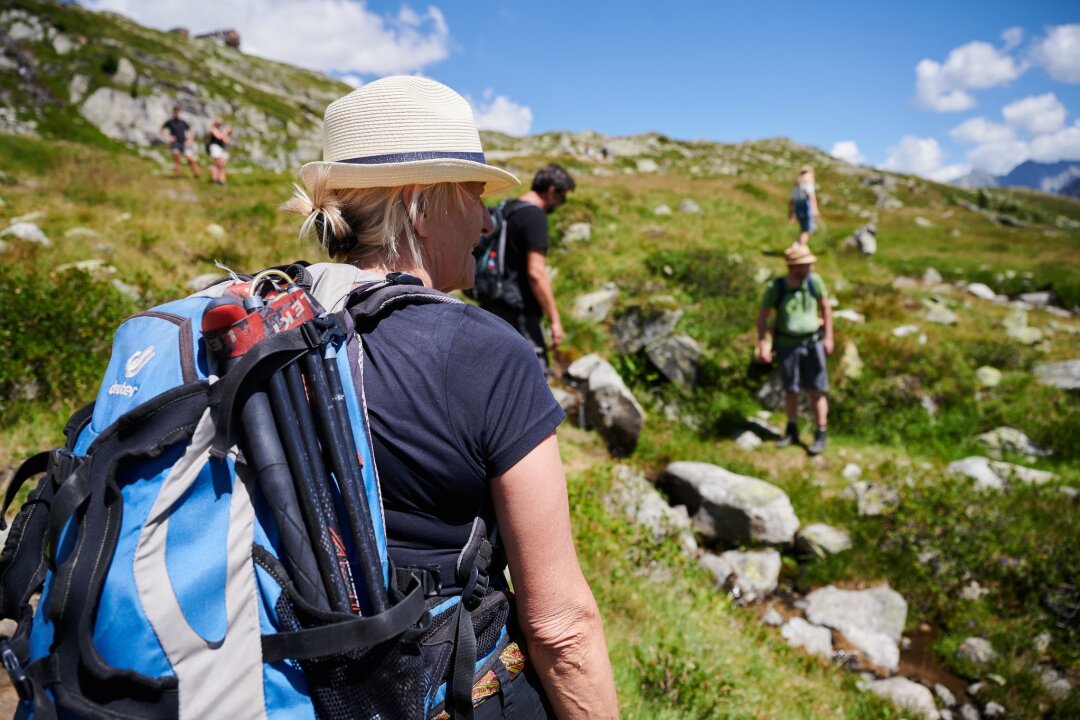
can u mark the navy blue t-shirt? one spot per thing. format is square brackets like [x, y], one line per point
[455, 397]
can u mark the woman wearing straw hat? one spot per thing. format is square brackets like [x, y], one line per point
[463, 422]
[803, 204]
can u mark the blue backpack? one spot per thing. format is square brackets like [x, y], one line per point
[209, 542]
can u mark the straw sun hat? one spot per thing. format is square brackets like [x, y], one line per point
[799, 256]
[402, 131]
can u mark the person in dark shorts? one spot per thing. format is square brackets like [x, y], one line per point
[802, 335]
[527, 244]
[802, 206]
[463, 424]
[217, 140]
[178, 134]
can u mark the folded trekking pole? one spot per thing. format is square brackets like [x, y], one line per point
[308, 445]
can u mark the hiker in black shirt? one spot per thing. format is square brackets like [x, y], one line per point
[462, 421]
[177, 133]
[526, 258]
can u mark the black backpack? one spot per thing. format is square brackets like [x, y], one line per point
[494, 283]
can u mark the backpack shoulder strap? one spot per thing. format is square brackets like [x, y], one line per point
[781, 290]
[811, 279]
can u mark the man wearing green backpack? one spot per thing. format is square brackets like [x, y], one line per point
[802, 336]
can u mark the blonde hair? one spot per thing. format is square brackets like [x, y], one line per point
[806, 172]
[371, 227]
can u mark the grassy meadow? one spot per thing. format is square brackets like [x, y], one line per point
[680, 649]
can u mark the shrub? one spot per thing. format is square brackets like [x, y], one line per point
[57, 333]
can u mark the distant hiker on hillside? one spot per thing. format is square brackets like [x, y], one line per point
[802, 336]
[527, 244]
[803, 204]
[178, 134]
[217, 140]
[462, 421]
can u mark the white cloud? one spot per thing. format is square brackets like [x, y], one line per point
[1059, 53]
[1012, 37]
[354, 81]
[848, 151]
[924, 157]
[943, 87]
[328, 35]
[1062, 145]
[979, 130]
[498, 112]
[1038, 114]
[917, 155]
[999, 157]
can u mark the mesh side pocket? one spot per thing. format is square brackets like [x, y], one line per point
[384, 680]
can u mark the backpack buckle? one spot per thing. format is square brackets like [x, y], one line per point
[16, 672]
[476, 588]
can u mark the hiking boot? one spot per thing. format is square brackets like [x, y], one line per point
[818, 445]
[789, 439]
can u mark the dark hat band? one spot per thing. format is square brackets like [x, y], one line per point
[477, 157]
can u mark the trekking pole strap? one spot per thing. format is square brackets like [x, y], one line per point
[260, 362]
[341, 637]
[32, 466]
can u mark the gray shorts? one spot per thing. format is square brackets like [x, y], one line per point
[803, 367]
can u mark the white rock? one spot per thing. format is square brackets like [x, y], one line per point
[977, 650]
[689, 206]
[993, 710]
[578, 232]
[1064, 375]
[662, 210]
[973, 591]
[968, 712]
[747, 440]
[932, 277]
[634, 496]
[1042, 641]
[595, 306]
[850, 315]
[981, 291]
[647, 165]
[872, 620]
[815, 639]
[28, 232]
[907, 695]
[923, 222]
[978, 469]
[944, 695]
[940, 314]
[751, 575]
[851, 471]
[1026, 335]
[1008, 439]
[905, 330]
[772, 617]
[584, 366]
[988, 377]
[822, 540]
[216, 231]
[62, 44]
[125, 74]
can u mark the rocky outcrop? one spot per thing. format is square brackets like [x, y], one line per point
[1005, 439]
[821, 540]
[728, 508]
[637, 328]
[864, 239]
[995, 474]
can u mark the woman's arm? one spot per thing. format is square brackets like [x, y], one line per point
[555, 607]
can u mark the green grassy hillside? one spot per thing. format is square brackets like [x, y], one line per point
[124, 235]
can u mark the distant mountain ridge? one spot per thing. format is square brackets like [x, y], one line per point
[1058, 177]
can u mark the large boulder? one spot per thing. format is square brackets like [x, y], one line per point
[729, 508]
[871, 620]
[907, 695]
[637, 328]
[1064, 375]
[750, 575]
[676, 357]
[634, 496]
[613, 410]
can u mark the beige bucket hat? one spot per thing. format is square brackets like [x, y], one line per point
[800, 255]
[400, 131]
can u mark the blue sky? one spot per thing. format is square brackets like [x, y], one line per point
[819, 73]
